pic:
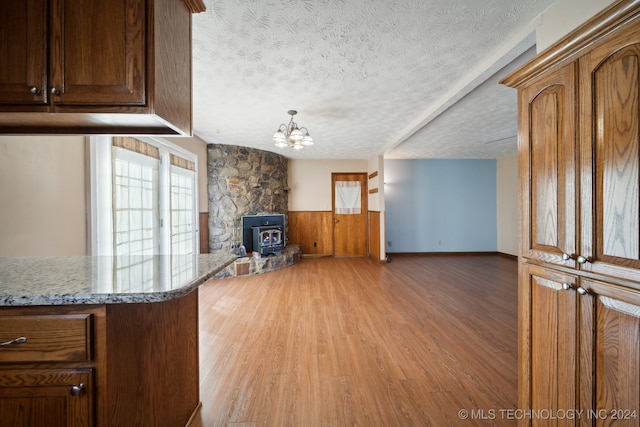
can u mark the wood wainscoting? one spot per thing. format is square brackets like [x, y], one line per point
[312, 230]
[203, 218]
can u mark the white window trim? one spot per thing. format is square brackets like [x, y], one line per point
[177, 170]
[100, 171]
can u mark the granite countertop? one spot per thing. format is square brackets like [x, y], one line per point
[26, 281]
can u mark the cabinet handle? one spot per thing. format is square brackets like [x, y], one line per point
[15, 341]
[566, 286]
[55, 91]
[567, 257]
[582, 260]
[34, 90]
[76, 390]
[582, 291]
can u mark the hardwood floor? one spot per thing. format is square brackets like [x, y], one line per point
[347, 341]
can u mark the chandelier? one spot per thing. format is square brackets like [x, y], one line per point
[292, 136]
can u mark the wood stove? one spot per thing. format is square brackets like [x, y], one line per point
[268, 239]
[275, 243]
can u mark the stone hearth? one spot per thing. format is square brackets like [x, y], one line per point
[249, 265]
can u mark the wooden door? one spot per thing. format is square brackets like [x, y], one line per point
[98, 52]
[23, 37]
[547, 374]
[609, 354]
[547, 160]
[349, 220]
[610, 147]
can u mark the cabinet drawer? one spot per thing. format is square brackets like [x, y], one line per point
[53, 338]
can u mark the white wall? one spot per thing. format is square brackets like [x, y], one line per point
[507, 200]
[376, 164]
[42, 195]
[376, 200]
[564, 16]
[310, 182]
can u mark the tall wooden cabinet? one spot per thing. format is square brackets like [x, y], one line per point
[579, 283]
[117, 66]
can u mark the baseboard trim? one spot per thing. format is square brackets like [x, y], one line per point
[376, 259]
[316, 255]
[491, 253]
[194, 414]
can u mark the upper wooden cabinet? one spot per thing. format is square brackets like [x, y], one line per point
[23, 43]
[118, 67]
[580, 152]
[548, 167]
[610, 154]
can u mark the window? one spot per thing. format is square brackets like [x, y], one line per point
[136, 214]
[182, 203]
[144, 197]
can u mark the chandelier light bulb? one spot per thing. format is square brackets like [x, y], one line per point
[278, 137]
[296, 135]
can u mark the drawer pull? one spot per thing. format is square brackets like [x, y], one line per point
[76, 390]
[16, 341]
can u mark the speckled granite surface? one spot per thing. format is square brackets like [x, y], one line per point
[104, 280]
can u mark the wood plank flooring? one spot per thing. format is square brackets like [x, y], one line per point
[347, 341]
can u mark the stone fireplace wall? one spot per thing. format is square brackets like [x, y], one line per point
[242, 181]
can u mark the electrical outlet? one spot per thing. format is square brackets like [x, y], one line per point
[315, 244]
[390, 243]
[439, 242]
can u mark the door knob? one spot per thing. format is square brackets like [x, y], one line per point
[566, 286]
[34, 90]
[582, 260]
[567, 257]
[582, 291]
[336, 221]
[55, 91]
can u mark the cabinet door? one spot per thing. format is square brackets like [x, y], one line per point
[547, 341]
[98, 52]
[23, 51]
[547, 161]
[609, 390]
[610, 155]
[46, 398]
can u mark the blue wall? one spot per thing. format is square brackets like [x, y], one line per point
[451, 201]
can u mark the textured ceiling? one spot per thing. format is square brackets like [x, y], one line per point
[404, 78]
